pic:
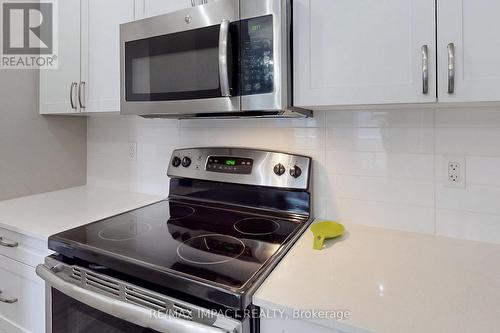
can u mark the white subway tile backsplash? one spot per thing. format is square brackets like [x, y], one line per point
[378, 119]
[475, 198]
[483, 170]
[468, 117]
[389, 140]
[379, 167]
[382, 214]
[381, 164]
[381, 189]
[468, 225]
[468, 141]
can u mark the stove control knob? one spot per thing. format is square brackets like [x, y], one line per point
[176, 161]
[295, 171]
[279, 169]
[186, 161]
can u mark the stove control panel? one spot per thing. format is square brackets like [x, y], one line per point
[242, 166]
[228, 164]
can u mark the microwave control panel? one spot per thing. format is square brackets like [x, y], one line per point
[257, 54]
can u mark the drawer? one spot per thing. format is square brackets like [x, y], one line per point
[19, 282]
[28, 250]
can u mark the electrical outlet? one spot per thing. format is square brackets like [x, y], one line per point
[454, 171]
[132, 151]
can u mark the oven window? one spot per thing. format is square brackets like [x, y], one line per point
[69, 315]
[178, 66]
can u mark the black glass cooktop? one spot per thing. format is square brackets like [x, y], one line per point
[219, 245]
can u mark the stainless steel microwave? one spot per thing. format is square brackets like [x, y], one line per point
[226, 58]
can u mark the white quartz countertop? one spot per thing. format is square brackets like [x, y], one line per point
[43, 215]
[390, 282]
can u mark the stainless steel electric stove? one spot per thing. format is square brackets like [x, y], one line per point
[190, 263]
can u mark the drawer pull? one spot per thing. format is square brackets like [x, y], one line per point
[8, 244]
[8, 300]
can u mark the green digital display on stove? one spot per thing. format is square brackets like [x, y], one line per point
[229, 164]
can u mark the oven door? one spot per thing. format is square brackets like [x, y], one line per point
[80, 300]
[184, 62]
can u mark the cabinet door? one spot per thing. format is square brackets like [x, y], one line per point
[472, 26]
[23, 308]
[100, 74]
[55, 84]
[363, 52]
[148, 8]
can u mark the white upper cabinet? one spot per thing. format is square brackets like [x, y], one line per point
[100, 65]
[56, 84]
[148, 8]
[363, 52]
[88, 78]
[471, 27]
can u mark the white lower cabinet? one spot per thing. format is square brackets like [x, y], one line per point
[22, 300]
[292, 326]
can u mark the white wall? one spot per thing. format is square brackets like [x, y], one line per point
[380, 168]
[37, 153]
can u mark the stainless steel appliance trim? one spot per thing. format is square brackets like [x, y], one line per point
[81, 87]
[8, 300]
[206, 15]
[7, 243]
[223, 62]
[425, 69]
[451, 68]
[59, 276]
[264, 162]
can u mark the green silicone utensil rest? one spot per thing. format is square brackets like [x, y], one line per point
[325, 230]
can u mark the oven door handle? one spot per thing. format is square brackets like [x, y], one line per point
[223, 59]
[128, 312]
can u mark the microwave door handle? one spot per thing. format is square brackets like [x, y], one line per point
[128, 312]
[223, 59]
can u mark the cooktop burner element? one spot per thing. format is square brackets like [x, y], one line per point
[256, 226]
[220, 249]
[124, 231]
[178, 212]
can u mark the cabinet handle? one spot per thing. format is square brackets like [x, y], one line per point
[451, 68]
[80, 99]
[8, 300]
[425, 69]
[73, 85]
[8, 244]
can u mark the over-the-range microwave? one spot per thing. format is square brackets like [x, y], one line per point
[226, 58]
